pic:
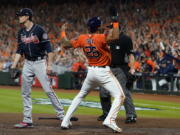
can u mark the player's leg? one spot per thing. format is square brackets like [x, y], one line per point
[128, 102]
[27, 80]
[105, 100]
[41, 74]
[86, 87]
[115, 89]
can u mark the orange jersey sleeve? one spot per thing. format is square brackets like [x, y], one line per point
[95, 48]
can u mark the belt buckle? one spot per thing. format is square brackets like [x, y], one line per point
[39, 58]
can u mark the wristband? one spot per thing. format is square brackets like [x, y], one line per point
[115, 25]
[63, 34]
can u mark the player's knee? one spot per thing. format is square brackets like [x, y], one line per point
[81, 96]
[121, 97]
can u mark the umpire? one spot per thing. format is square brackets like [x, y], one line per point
[121, 51]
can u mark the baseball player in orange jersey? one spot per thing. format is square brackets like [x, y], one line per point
[99, 74]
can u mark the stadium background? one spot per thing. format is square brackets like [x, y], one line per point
[148, 22]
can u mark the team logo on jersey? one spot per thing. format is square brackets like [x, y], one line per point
[31, 39]
[89, 41]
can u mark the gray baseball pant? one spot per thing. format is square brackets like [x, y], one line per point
[128, 102]
[38, 69]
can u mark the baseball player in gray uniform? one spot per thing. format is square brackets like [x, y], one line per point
[34, 45]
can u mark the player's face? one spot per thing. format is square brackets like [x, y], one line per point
[22, 19]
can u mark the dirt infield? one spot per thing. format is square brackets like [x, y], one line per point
[88, 125]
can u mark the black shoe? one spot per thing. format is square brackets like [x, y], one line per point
[102, 117]
[74, 119]
[130, 120]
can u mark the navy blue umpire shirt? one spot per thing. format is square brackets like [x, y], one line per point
[33, 43]
[121, 49]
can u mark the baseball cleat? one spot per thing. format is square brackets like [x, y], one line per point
[113, 126]
[66, 126]
[74, 119]
[102, 117]
[23, 125]
[130, 120]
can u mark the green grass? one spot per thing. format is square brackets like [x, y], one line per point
[11, 101]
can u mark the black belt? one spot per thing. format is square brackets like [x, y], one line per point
[114, 66]
[119, 65]
[99, 66]
[35, 58]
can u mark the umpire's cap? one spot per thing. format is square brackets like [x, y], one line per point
[25, 12]
[94, 23]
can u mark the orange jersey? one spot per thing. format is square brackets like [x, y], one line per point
[95, 48]
[152, 64]
[137, 65]
[76, 66]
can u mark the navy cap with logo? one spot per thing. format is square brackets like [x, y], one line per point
[25, 12]
[94, 23]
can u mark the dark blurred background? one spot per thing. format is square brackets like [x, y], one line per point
[153, 25]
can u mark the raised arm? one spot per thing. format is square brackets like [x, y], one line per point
[64, 40]
[113, 33]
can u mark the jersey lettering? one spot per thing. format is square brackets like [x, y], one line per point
[95, 48]
[31, 39]
[91, 52]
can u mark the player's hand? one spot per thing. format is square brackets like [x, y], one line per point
[64, 26]
[113, 14]
[49, 70]
[132, 71]
[14, 73]
[13, 66]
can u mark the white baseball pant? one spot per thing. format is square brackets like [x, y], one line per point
[98, 76]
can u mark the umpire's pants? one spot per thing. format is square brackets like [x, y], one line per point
[121, 75]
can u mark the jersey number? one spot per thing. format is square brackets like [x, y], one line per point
[91, 52]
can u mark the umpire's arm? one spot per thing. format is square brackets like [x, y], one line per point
[131, 63]
[113, 33]
[131, 55]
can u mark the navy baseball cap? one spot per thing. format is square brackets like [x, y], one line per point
[94, 23]
[25, 12]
